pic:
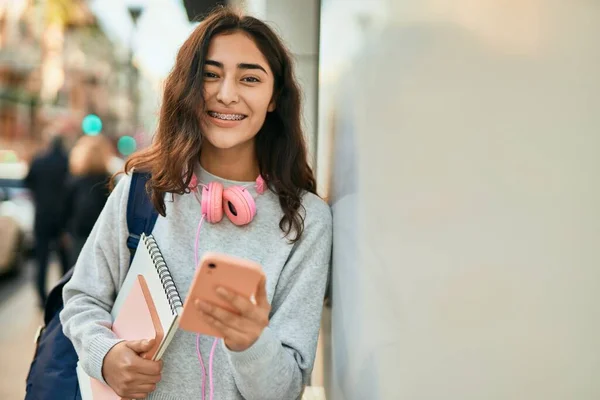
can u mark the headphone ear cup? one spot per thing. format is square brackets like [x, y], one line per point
[238, 205]
[212, 202]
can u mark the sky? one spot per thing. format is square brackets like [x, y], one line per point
[162, 28]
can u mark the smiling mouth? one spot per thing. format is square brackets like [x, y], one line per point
[226, 117]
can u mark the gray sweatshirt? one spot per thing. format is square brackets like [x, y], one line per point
[279, 363]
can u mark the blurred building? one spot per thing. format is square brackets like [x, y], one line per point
[20, 57]
[56, 61]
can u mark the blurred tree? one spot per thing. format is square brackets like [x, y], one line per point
[68, 13]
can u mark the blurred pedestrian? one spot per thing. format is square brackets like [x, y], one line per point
[87, 188]
[46, 180]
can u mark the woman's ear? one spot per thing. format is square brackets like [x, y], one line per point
[271, 107]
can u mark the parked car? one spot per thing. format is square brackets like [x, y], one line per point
[12, 251]
[16, 217]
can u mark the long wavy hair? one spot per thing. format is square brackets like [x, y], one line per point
[280, 143]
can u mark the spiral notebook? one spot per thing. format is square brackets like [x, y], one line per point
[149, 263]
[147, 306]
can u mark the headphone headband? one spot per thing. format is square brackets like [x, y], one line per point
[259, 184]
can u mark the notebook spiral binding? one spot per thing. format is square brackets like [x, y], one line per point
[164, 274]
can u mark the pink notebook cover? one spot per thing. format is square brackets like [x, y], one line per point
[137, 320]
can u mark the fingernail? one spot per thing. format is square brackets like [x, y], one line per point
[200, 304]
[222, 291]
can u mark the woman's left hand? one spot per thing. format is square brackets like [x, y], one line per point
[240, 331]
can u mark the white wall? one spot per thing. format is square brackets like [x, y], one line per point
[467, 206]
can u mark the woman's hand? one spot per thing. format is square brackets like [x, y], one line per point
[240, 331]
[129, 374]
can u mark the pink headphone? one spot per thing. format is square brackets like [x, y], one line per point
[235, 201]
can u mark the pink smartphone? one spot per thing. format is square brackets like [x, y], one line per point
[238, 275]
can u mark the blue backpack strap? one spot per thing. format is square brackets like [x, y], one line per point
[141, 215]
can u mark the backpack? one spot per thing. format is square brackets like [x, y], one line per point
[52, 373]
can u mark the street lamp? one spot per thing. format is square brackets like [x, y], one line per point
[135, 11]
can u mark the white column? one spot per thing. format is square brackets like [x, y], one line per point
[297, 22]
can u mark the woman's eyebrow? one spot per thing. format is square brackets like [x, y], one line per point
[252, 66]
[219, 64]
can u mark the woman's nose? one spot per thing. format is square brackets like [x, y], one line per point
[228, 92]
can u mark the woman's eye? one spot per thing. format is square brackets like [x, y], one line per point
[250, 79]
[210, 75]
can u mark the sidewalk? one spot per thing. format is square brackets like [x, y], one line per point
[20, 318]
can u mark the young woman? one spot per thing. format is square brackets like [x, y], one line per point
[230, 116]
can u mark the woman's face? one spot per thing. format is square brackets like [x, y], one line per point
[238, 91]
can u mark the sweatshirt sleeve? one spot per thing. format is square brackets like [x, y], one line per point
[91, 292]
[279, 363]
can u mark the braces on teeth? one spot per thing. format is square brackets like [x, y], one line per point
[229, 117]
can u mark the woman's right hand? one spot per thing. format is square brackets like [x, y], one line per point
[128, 373]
